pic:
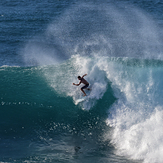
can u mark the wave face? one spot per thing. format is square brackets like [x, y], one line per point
[119, 46]
[123, 110]
[39, 118]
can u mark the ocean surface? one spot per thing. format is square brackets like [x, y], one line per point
[45, 45]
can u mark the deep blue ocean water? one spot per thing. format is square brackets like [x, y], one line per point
[45, 45]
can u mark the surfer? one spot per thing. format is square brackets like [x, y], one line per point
[82, 80]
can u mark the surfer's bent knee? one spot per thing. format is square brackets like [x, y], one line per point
[85, 87]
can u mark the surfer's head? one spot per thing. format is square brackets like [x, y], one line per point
[79, 77]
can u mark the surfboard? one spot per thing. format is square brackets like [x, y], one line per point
[80, 100]
[83, 98]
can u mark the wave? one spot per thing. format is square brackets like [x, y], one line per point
[126, 96]
[38, 96]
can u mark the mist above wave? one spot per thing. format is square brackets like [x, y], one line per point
[96, 29]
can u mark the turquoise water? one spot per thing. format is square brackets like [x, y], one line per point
[45, 45]
[38, 124]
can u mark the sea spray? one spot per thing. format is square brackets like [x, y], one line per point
[96, 29]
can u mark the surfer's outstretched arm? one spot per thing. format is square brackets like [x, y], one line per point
[83, 75]
[77, 84]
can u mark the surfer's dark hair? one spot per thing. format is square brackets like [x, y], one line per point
[79, 77]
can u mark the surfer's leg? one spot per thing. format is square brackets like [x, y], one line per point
[83, 92]
[84, 87]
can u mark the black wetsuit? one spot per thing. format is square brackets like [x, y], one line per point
[85, 86]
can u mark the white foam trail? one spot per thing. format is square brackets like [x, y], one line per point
[96, 78]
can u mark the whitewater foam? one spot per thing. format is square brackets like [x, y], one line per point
[137, 117]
